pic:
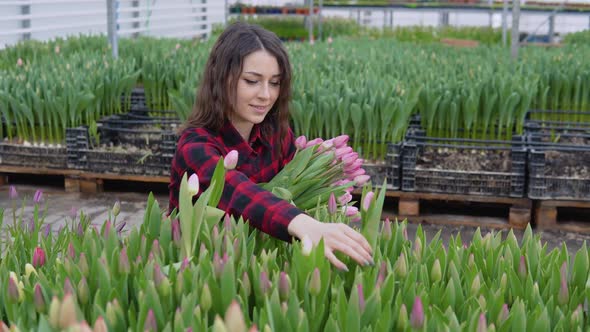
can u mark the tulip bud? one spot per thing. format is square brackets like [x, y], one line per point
[246, 284]
[265, 284]
[29, 269]
[340, 141]
[193, 184]
[83, 265]
[231, 160]
[503, 315]
[436, 272]
[150, 323]
[218, 325]
[386, 231]
[67, 312]
[503, 281]
[38, 298]
[482, 302]
[418, 249]
[116, 208]
[471, 261]
[361, 180]
[482, 325]
[100, 325]
[206, 300]
[124, 266]
[332, 207]
[234, 318]
[38, 257]
[475, 285]
[83, 291]
[71, 251]
[382, 274]
[315, 283]
[402, 319]
[345, 198]
[522, 270]
[19, 62]
[417, 315]
[47, 230]
[563, 296]
[361, 296]
[54, 308]
[68, 288]
[38, 197]
[12, 194]
[400, 268]
[314, 141]
[300, 142]
[284, 286]
[14, 293]
[350, 211]
[577, 317]
[368, 200]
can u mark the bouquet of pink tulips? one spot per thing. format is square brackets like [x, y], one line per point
[323, 173]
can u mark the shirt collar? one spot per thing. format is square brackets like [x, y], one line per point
[232, 137]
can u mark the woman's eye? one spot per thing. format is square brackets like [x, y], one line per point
[250, 82]
[275, 83]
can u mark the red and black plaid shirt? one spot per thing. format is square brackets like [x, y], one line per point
[199, 150]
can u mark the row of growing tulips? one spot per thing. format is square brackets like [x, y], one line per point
[369, 87]
[189, 271]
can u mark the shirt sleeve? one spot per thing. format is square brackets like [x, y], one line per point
[241, 197]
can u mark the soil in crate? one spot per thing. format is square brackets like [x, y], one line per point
[472, 160]
[568, 163]
[24, 154]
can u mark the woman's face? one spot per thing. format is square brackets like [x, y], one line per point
[257, 90]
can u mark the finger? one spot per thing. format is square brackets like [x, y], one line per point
[359, 248]
[359, 238]
[335, 261]
[348, 250]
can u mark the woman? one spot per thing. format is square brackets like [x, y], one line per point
[242, 104]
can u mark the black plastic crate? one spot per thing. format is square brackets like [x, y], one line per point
[390, 168]
[106, 157]
[140, 133]
[507, 182]
[33, 156]
[136, 99]
[559, 166]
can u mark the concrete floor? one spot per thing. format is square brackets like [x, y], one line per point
[133, 197]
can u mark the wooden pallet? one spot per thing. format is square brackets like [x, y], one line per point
[409, 207]
[79, 181]
[546, 216]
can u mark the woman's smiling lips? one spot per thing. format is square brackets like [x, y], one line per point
[260, 109]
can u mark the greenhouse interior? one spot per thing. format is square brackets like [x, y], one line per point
[301, 165]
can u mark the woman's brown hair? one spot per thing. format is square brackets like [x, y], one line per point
[216, 95]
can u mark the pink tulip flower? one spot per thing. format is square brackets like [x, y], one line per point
[38, 257]
[301, 142]
[231, 160]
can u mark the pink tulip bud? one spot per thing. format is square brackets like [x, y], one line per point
[563, 296]
[315, 284]
[71, 251]
[150, 323]
[343, 151]
[100, 325]
[356, 219]
[57, 49]
[124, 266]
[306, 245]
[340, 141]
[503, 314]
[227, 223]
[284, 286]
[13, 292]
[386, 231]
[326, 146]
[218, 264]
[158, 275]
[329, 40]
[349, 158]
[38, 196]
[107, 229]
[359, 289]
[12, 194]
[361, 180]
[193, 184]
[358, 172]
[19, 62]
[246, 283]
[482, 325]
[345, 198]
[234, 317]
[38, 257]
[350, 211]
[382, 274]
[332, 207]
[368, 200]
[175, 224]
[185, 263]
[38, 298]
[313, 142]
[301, 142]
[68, 287]
[265, 284]
[522, 270]
[231, 160]
[177, 46]
[47, 230]
[417, 315]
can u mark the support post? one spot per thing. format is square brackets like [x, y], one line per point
[320, 32]
[26, 22]
[551, 27]
[391, 18]
[112, 26]
[515, 30]
[505, 22]
[136, 24]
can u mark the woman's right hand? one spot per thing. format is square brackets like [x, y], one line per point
[337, 237]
